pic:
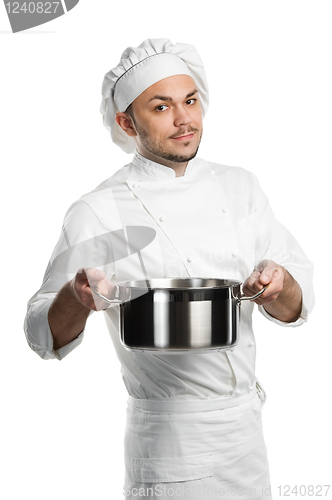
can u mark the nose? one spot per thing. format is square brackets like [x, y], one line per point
[182, 117]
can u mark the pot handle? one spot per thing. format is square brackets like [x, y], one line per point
[242, 297]
[121, 295]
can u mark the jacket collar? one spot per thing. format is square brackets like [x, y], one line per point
[156, 170]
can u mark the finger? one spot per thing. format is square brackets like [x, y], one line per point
[249, 283]
[98, 303]
[80, 276]
[94, 275]
[85, 280]
[263, 264]
[271, 293]
[253, 285]
[89, 274]
[266, 299]
[269, 274]
[258, 287]
[105, 288]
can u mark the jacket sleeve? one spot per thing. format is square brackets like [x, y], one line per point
[83, 242]
[275, 242]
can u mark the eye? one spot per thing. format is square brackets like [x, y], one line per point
[191, 101]
[161, 107]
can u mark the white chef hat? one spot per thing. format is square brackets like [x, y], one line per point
[139, 68]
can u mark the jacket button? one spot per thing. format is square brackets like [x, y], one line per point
[225, 210]
[135, 186]
[162, 218]
[189, 259]
[212, 172]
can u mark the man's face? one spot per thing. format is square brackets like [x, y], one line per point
[168, 120]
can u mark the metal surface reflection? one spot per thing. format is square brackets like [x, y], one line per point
[181, 315]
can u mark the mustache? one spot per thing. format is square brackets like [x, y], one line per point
[187, 131]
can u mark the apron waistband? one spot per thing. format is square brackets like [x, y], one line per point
[191, 405]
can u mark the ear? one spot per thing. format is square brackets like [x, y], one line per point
[126, 123]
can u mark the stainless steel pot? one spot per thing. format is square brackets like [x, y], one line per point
[179, 314]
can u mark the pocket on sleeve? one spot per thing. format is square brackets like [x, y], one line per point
[172, 470]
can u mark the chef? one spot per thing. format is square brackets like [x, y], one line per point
[193, 424]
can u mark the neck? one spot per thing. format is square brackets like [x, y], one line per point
[178, 167]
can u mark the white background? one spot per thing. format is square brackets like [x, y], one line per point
[269, 70]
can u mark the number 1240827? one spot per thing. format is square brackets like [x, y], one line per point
[318, 490]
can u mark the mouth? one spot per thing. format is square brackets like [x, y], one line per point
[186, 137]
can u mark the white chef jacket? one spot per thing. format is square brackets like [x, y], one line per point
[214, 221]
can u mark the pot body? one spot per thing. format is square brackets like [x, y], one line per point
[181, 314]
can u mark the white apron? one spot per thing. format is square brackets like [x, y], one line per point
[198, 449]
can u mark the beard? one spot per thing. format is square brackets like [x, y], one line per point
[157, 149]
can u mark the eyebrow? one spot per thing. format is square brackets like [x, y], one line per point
[167, 98]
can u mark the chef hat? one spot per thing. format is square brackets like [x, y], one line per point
[139, 68]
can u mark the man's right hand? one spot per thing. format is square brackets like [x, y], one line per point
[87, 280]
[73, 303]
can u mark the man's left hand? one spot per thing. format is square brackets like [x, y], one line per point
[266, 273]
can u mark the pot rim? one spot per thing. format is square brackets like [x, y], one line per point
[154, 284]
